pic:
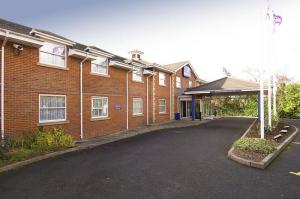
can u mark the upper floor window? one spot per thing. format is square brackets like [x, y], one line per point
[100, 66]
[53, 54]
[178, 82]
[137, 74]
[190, 84]
[162, 79]
[52, 108]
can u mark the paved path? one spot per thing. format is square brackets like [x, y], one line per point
[183, 163]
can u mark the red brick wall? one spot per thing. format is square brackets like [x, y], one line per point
[137, 90]
[25, 80]
[184, 85]
[113, 87]
[162, 92]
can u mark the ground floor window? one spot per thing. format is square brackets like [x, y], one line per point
[137, 105]
[162, 106]
[52, 108]
[99, 107]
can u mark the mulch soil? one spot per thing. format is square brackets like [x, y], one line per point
[255, 133]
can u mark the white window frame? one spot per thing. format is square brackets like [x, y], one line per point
[95, 72]
[49, 121]
[160, 75]
[159, 105]
[92, 107]
[178, 82]
[138, 77]
[50, 64]
[139, 100]
[190, 83]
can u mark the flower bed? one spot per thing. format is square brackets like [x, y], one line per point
[251, 147]
[26, 146]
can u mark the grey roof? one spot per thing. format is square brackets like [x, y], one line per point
[225, 85]
[175, 66]
[11, 26]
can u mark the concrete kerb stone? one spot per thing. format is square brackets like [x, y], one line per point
[267, 160]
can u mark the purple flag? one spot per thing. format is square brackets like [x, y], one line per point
[277, 19]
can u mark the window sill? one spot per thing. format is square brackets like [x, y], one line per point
[52, 66]
[100, 119]
[164, 113]
[140, 115]
[138, 81]
[164, 85]
[52, 123]
[100, 75]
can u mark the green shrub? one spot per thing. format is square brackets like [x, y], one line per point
[3, 154]
[255, 145]
[52, 139]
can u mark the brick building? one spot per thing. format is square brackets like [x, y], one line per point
[51, 81]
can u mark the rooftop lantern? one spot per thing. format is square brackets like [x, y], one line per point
[136, 54]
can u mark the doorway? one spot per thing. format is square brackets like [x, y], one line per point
[185, 108]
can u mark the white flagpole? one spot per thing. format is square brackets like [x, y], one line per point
[261, 81]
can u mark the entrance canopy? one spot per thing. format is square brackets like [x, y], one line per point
[225, 86]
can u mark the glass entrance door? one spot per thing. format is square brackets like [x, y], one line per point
[185, 108]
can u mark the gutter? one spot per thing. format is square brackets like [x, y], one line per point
[2, 87]
[81, 97]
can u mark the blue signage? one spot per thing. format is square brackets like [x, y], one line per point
[118, 106]
[186, 71]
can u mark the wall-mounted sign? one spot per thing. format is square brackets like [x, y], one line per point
[186, 71]
[118, 106]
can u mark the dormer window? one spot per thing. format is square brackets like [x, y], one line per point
[137, 74]
[162, 79]
[100, 66]
[53, 54]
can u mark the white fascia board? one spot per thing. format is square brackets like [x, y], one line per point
[160, 68]
[196, 92]
[98, 52]
[24, 39]
[81, 54]
[121, 65]
[52, 38]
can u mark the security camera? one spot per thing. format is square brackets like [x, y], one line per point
[18, 47]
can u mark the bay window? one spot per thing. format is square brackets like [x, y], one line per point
[137, 74]
[53, 54]
[162, 79]
[100, 66]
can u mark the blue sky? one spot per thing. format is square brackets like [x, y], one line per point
[211, 34]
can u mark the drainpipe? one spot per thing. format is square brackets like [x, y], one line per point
[148, 99]
[170, 97]
[127, 115]
[81, 97]
[2, 88]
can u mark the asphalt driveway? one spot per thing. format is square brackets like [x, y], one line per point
[176, 163]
